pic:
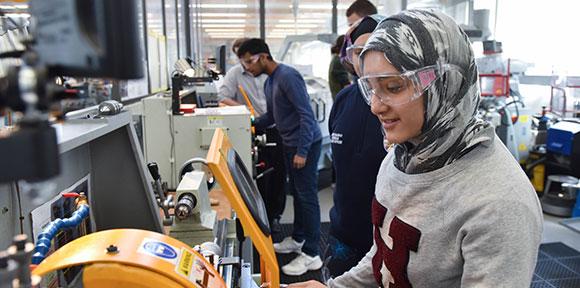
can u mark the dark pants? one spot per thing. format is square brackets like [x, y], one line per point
[272, 186]
[339, 258]
[303, 185]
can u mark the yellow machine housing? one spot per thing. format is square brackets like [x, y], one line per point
[132, 258]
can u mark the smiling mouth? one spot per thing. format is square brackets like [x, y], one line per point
[390, 123]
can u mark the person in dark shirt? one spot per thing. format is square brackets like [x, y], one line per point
[288, 106]
[357, 152]
[337, 74]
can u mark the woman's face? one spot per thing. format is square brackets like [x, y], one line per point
[401, 122]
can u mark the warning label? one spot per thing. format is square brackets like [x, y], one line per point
[185, 263]
[215, 121]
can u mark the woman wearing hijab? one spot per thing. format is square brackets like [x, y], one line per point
[452, 207]
[357, 153]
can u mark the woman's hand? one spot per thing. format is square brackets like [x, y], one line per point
[308, 284]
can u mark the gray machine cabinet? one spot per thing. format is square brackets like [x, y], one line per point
[171, 140]
[120, 192]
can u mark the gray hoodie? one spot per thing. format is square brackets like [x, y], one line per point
[474, 223]
[454, 209]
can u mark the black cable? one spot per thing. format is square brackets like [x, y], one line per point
[504, 108]
[173, 164]
[517, 113]
[20, 217]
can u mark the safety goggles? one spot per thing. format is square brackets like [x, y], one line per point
[247, 62]
[399, 89]
[353, 51]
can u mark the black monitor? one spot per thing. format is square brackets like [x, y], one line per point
[89, 38]
[220, 55]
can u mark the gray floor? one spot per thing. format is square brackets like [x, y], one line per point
[556, 232]
[553, 230]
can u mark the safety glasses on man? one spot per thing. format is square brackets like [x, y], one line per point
[402, 88]
[246, 62]
[353, 51]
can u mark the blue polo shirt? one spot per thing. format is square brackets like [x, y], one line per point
[288, 106]
[357, 153]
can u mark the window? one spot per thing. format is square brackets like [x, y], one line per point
[224, 21]
[540, 33]
[171, 33]
[156, 46]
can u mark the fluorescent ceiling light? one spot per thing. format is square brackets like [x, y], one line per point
[289, 30]
[320, 6]
[223, 25]
[223, 20]
[21, 6]
[223, 14]
[224, 30]
[290, 33]
[226, 35]
[299, 21]
[297, 25]
[223, 5]
[223, 37]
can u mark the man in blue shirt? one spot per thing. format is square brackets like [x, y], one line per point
[288, 106]
[271, 183]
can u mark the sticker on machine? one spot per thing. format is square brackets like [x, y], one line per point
[193, 268]
[159, 250]
[215, 121]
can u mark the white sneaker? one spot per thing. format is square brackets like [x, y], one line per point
[302, 264]
[288, 245]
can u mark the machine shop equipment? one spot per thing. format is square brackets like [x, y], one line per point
[562, 166]
[501, 103]
[194, 219]
[172, 139]
[111, 234]
[198, 83]
[139, 258]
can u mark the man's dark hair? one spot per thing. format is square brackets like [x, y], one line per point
[254, 46]
[237, 43]
[362, 8]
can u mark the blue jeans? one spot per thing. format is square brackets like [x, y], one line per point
[303, 184]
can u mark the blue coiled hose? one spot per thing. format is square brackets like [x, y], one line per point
[44, 240]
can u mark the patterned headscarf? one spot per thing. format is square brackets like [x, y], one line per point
[414, 39]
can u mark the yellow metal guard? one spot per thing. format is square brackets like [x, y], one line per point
[132, 258]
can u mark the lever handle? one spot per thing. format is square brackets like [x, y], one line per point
[154, 170]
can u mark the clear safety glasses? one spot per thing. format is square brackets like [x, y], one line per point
[251, 60]
[353, 51]
[398, 89]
